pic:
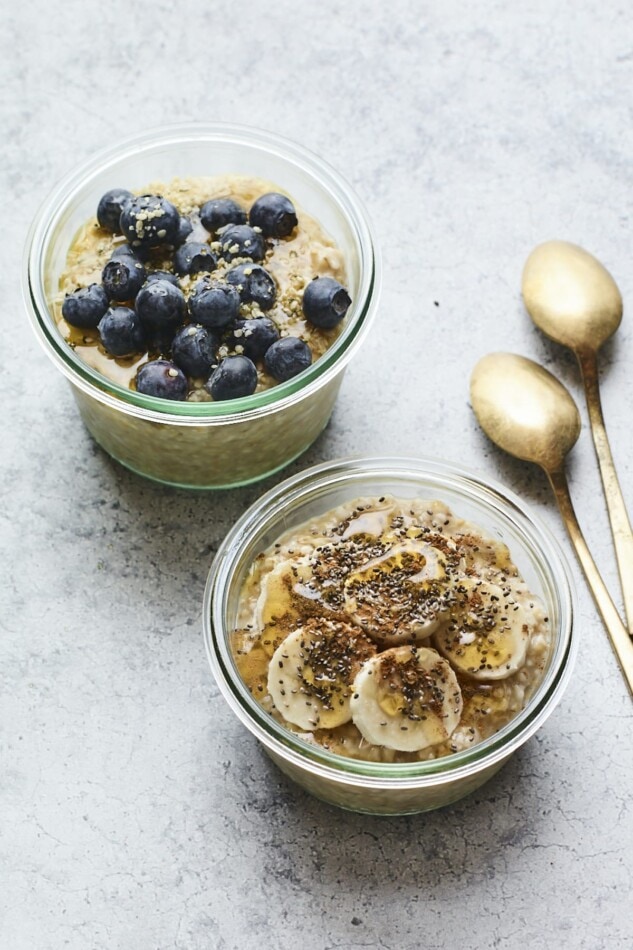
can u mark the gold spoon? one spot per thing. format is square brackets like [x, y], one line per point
[575, 301]
[525, 411]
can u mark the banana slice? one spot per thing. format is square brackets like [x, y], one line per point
[371, 521]
[287, 596]
[401, 595]
[406, 698]
[311, 673]
[489, 631]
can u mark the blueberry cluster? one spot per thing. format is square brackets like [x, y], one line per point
[213, 333]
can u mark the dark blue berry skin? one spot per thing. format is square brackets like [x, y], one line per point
[325, 302]
[254, 284]
[274, 214]
[123, 278]
[140, 254]
[185, 227]
[219, 212]
[193, 257]
[287, 357]
[235, 376]
[193, 349]
[163, 275]
[121, 332]
[214, 304]
[110, 207]
[163, 379]
[85, 307]
[254, 336]
[161, 308]
[239, 240]
[157, 219]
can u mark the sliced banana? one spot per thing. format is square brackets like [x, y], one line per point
[372, 521]
[484, 556]
[489, 631]
[406, 698]
[288, 595]
[400, 595]
[311, 673]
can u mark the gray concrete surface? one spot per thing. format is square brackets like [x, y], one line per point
[136, 812]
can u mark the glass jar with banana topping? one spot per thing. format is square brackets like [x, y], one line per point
[389, 651]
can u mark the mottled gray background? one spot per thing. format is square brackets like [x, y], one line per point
[137, 814]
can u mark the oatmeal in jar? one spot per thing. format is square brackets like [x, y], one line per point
[201, 289]
[390, 630]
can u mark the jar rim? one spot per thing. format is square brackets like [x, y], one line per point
[329, 365]
[499, 501]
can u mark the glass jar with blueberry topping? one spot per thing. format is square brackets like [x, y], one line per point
[229, 438]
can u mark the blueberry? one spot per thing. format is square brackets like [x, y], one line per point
[121, 332]
[287, 357]
[214, 303]
[193, 257]
[219, 212]
[123, 278]
[110, 207]
[193, 350]
[235, 376]
[161, 378]
[150, 220]
[254, 336]
[140, 254]
[163, 275]
[238, 240]
[85, 306]
[274, 214]
[185, 227]
[161, 308]
[325, 302]
[254, 283]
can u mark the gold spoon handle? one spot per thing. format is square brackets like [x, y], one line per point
[618, 635]
[620, 524]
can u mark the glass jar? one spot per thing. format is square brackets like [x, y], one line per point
[205, 444]
[378, 787]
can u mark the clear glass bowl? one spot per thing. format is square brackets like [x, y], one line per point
[213, 444]
[389, 788]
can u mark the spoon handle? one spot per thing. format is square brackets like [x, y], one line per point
[620, 639]
[620, 524]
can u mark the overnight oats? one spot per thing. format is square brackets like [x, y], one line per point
[201, 289]
[390, 631]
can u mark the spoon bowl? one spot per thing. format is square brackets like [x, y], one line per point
[523, 409]
[571, 296]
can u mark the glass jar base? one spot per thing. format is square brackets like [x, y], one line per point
[209, 457]
[379, 801]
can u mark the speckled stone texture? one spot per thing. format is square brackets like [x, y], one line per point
[136, 811]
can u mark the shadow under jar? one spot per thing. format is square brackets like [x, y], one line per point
[388, 787]
[204, 444]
